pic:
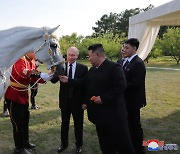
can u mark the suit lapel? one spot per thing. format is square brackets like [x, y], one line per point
[131, 63]
[66, 69]
[76, 70]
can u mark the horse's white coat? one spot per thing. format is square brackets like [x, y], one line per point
[16, 42]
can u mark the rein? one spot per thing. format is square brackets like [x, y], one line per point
[25, 89]
[46, 42]
[47, 38]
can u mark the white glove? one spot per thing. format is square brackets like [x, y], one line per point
[46, 76]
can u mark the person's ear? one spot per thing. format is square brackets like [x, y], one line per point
[97, 53]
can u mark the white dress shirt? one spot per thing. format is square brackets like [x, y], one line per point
[73, 69]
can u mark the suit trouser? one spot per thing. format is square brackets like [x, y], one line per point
[78, 116]
[136, 131]
[19, 115]
[114, 138]
[5, 106]
[34, 91]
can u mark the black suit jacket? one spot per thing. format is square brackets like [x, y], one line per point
[135, 73]
[77, 85]
[108, 82]
[120, 61]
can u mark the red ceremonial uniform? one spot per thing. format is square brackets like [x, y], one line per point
[17, 99]
[20, 80]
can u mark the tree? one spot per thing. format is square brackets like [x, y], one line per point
[106, 24]
[68, 41]
[111, 43]
[123, 20]
[116, 23]
[156, 50]
[170, 44]
[163, 29]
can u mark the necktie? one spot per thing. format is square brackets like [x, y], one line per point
[70, 71]
[122, 61]
[125, 65]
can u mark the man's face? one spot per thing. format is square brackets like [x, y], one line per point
[93, 58]
[127, 50]
[71, 56]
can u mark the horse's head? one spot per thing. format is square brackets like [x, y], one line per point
[49, 52]
[18, 41]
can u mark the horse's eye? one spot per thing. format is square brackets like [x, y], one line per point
[53, 45]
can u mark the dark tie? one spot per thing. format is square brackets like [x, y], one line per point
[122, 61]
[125, 65]
[70, 71]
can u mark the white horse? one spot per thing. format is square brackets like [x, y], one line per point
[17, 41]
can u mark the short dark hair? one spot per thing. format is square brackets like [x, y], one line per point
[133, 42]
[96, 47]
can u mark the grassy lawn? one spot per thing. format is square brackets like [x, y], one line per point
[165, 61]
[160, 118]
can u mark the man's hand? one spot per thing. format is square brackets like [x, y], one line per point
[84, 106]
[46, 76]
[63, 79]
[96, 99]
[34, 73]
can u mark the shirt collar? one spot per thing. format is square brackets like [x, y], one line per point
[73, 64]
[130, 58]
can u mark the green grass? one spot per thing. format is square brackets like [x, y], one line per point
[160, 118]
[165, 61]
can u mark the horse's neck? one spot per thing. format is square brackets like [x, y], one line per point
[16, 42]
[15, 51]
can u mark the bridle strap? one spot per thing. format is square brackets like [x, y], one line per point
[46, 38]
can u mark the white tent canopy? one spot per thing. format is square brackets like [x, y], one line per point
[145, 26]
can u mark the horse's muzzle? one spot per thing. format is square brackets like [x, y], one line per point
[58, 69]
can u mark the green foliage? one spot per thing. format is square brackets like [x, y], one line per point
[116, 23]
[111, 43]
[163, 29]
[107, 24]
[156, 50]
[68, 41]
[170, 44]
[123, 21]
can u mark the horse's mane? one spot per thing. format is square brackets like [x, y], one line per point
[16, 39]
[11, 31]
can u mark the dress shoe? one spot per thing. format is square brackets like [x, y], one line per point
[78, 150]
[21, 151]
[6, 113]
[29, 146]
[35, 107]
[61, 148]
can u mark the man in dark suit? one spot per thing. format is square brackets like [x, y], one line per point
[122, 60]
[105, 85]
[135, 98]
[71, 98]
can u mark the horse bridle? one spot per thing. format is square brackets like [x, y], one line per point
[47, 38]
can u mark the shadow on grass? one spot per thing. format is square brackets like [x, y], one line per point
[39, 117]
[165, 129]
[45, 133]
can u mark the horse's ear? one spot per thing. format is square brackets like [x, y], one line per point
[50, 31]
